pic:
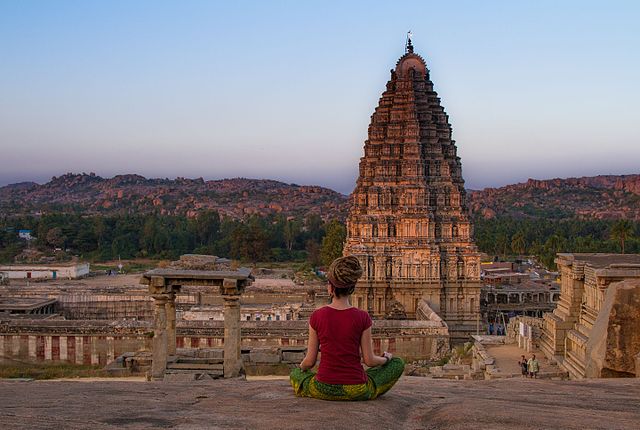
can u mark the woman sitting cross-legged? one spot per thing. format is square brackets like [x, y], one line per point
[341, 331]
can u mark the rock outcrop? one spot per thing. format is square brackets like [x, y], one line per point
[615, 337]
[602, 197]
[414, 403]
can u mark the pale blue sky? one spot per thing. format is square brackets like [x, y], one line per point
[284, 90]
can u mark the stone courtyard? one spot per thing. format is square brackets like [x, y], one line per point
[415, 403]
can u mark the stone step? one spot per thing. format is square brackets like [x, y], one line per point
[191, 375]
[194, 366]
[199, 360]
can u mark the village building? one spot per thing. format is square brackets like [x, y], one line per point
[72, 270]
[500, 302]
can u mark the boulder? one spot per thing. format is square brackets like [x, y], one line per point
[614, 342]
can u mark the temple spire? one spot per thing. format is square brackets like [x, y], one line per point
[408, 48]
[409, 224]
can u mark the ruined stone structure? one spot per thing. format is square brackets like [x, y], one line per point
[100, 342]
[408, 222]
[528, 298]
[189, 313]
[164, 284]
[595, 329]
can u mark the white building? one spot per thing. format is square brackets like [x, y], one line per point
[46, 271]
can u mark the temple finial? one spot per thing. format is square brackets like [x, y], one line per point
[408, 47]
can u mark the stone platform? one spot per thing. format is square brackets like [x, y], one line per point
[415, 403]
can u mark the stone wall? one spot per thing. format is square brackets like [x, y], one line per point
[86, 342]
[529, 338]
[100, 341]
[594, 330]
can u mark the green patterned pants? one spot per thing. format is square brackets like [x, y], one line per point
[379, 381]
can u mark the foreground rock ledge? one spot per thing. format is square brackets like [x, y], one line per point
[416, 403]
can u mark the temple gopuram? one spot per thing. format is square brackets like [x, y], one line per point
[408, 221]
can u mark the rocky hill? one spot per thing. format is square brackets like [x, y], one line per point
[602, 197]
[91, 194]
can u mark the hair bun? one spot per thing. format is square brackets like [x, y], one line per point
[344, 272]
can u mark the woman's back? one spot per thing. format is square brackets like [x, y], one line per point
[339, 334]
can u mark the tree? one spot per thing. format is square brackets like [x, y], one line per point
[501, 244]
[249, 242]
[621, 231]
[333, 242]
[207, 227]
[313, 252]
[518, 243]
[313, 227]
[291, 232]
[56, 238]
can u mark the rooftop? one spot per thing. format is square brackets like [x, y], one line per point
[24, 303]
[600, 260]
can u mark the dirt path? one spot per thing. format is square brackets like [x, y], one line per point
[507, 357]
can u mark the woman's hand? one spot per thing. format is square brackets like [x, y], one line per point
[312, 351]
[366, 345]
[388, 356]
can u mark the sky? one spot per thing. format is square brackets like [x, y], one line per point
[285, 89]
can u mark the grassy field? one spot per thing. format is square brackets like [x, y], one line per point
[128, 266]
[49, 370]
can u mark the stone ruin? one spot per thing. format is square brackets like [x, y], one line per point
[200, 262]
[164, 284]
[595, 330]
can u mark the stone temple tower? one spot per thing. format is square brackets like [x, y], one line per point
[408, 221]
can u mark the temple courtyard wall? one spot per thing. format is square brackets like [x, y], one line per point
[100, 342]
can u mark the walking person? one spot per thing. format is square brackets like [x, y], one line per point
[341, 331]
[524, 366]
[533, 367]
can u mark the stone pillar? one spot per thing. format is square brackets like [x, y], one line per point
[232, 357]
[159, 363]
[171, 323]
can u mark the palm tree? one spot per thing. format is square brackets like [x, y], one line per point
[622, 230]
[501, 244]
[518, 243]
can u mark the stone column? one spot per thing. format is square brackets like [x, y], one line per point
[171, 323]
[159, 363]
[232, 356]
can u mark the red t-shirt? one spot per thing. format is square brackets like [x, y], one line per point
[339, 333]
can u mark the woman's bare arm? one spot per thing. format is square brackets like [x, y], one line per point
[312, 350]
[366, 344]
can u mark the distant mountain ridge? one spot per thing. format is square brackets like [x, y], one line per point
[238, 197]
[602, 197]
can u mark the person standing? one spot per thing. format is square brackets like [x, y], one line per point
[533, 366]
[524, 366]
